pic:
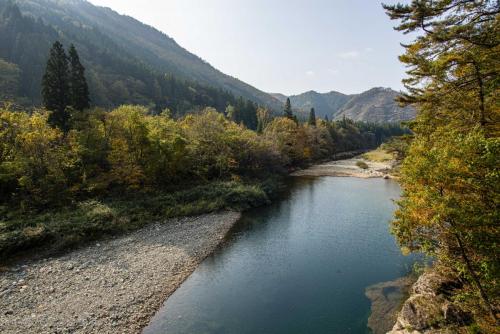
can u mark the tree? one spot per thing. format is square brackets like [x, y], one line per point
[78, 88]
[55, 86]
[263, 118]
[230, 112]
[450, 202]
[288, 109]
[9, 80]
[312, 117]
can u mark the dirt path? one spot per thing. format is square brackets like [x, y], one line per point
[114, 286]
[348, 167]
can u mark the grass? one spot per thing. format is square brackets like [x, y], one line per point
[92, 219]
[378, 155]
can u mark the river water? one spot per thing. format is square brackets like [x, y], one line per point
[300, 265]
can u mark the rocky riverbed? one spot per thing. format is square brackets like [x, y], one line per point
[114, 286]
[387, 299]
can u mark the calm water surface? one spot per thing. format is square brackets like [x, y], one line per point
[300, 265]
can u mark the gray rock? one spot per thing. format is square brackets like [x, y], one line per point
[421, 312]
[428, 309]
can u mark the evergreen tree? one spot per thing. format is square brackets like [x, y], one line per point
[312, 117]
[288, 109]
[79, 91]
[55, 86]
[250, 115]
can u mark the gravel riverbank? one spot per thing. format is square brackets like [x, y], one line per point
[348, 167]
[114, 286]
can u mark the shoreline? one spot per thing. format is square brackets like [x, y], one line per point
[112, 286]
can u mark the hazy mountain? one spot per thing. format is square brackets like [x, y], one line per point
[118, 50]
[280, 97]
[374, 105]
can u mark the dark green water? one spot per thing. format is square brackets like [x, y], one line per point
[300, 265]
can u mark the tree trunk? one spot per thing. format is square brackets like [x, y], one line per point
[475, 278]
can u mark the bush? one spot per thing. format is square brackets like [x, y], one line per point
[362, 164]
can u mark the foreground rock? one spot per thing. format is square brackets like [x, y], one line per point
[429, 310]
[349, 167]
[114, 286]
[386, 299]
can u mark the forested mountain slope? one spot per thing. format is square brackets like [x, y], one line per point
[375, 105]
[127, 61]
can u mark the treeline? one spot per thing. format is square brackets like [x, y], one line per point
[450, 207]
[129, 148]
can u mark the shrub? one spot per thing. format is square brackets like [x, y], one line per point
[362, 164]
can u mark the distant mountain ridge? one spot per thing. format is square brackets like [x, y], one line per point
[115, 47]
[375, 105]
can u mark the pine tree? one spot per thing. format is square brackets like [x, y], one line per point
[288, 109]
[78, 88]
[312, 117]
[446, 210]
[55, 86]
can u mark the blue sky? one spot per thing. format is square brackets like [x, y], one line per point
[285, 46]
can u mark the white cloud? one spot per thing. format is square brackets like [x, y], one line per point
[368, 50]
[349, 55]
[310, 73]
[333, 71]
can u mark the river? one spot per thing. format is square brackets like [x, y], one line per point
[300, 265]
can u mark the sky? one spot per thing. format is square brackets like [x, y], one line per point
[283, 46]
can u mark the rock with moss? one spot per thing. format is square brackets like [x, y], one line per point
[429, 309]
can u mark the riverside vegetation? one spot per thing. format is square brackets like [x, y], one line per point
[69, 173]
[450, 207]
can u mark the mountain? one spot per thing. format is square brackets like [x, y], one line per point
[280, 97]
[325, 104]
[127, 61]
[375, 105]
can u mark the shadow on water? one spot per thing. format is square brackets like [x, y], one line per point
[299, 265]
